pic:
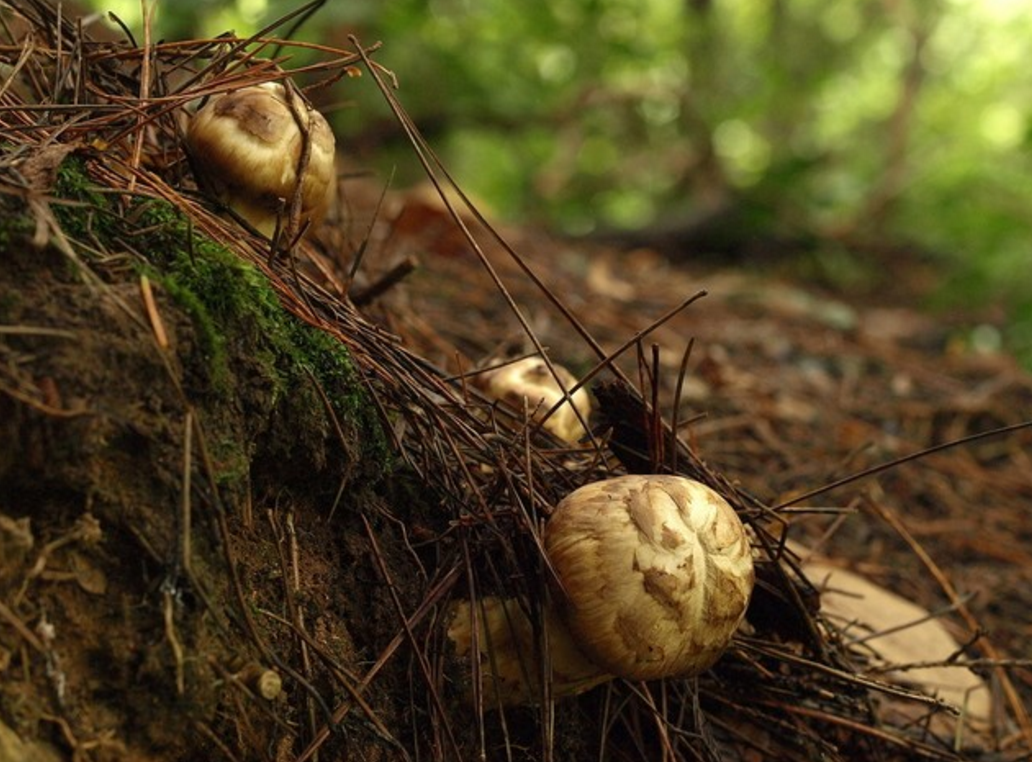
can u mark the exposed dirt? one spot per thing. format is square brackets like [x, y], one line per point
[145, 487]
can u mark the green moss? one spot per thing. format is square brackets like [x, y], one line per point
[81, 209]
[255, 356]
[13, 227]
[9, 302]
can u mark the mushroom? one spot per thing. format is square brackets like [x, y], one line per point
[654, 573]
[507, 650]
[530, 379]
[246, 148]
[652, 576]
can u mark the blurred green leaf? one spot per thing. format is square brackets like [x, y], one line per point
[908, 123]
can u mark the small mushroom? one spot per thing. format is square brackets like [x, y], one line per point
[508, 651]
[653, 575]
[530, 379]
[246, 146]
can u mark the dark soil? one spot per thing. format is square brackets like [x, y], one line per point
[151, 494]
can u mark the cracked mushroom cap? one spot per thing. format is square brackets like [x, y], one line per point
[531, 379]
[655, 573]
[246, 145]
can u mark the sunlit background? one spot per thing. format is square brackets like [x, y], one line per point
[856, 133]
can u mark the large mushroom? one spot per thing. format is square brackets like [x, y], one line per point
[246, 147]
[652, 576]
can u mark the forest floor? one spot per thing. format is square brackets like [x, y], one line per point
[787, 388]
[784, 388]
[241, 487]
[785, 391]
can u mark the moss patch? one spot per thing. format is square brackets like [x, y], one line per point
[145, 606]
[249, 350]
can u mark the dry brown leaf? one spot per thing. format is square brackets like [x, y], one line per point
[896, 631]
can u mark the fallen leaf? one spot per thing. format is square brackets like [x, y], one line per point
[896, 631]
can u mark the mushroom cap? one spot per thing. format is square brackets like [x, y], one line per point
[246, 145]
[530, 379]
[655, 573]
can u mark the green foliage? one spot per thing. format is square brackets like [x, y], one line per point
[902, 122]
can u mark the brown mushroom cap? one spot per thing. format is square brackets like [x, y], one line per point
[530, 379]
[246, 146]
[655, 573]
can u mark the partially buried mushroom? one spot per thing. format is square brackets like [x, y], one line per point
[653, 575]
[246, 147]
[529, 381]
